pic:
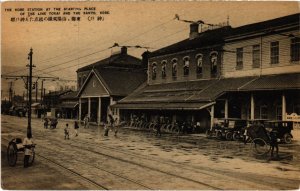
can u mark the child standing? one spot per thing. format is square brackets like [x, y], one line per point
[67, 131]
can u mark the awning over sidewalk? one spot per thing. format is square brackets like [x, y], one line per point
[196, 94]
[69, 105]
[274, 82]
[165, 106]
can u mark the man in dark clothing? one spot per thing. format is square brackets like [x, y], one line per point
[76, 127]
[274, 143]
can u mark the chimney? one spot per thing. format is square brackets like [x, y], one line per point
[145, 57]
[194, 30]
[124, 50]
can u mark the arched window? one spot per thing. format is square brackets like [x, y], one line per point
[199, 59]
[154, 71]
[213, 62]
[163, 69]
[174, 68]
[186, 66]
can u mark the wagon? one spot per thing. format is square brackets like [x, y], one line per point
[16, 147]
[284, 129]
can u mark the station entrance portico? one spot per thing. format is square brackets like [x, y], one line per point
[96, 108]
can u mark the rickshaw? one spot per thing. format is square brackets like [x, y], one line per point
[53, 123]
[260, 138]
[16, 147]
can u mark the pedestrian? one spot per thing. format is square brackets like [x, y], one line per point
[76, 127]
[67, 133]
[116, 127]
[86, 121]
[111, 121]
[274, 143]
[46, 123]
[158, 126]
[27, 143]
[106, 129]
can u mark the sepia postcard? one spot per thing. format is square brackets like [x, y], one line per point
[150, 95]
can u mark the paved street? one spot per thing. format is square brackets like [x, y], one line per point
[139, 160]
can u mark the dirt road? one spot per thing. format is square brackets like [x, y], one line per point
[139, 160]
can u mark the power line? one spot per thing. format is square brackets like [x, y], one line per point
[72, 60]
[164, 37]
[73, 52]
[148, 30]
[48, 60]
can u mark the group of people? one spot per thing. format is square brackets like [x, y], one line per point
[110, 125]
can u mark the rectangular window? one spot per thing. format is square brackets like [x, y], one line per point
[239, 58]
[274, 49]
[256, 56]
[295, 49]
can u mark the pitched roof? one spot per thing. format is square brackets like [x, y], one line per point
[205, 39]
[115, 60]
[58, 93]
[70, 95]
[265, 25]
[206, 91]
[122, 81]
[170, 92]
[118, 81]
[274, 82]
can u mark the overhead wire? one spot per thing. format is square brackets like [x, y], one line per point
[49, 59]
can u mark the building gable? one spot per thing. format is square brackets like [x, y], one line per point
[93, 87]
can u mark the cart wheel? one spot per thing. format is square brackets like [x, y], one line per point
[12, 154]
[259, 146]
[228, 136]
[287, 138]
[236, 136]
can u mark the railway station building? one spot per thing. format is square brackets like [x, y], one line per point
[248, 72]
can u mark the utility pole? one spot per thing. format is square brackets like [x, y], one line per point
[42, 87]
[10, 92]
[36, 91]
[29, 133]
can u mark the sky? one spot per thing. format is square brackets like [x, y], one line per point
[61, 47]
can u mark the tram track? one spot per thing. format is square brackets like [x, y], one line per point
[97, 185]
[136, 164]
[87, 146]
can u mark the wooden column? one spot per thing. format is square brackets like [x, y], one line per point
[99, 111]
[226, 108]
[283, 107]
[252, 107]
[212, 116]
[79, 114]
[89, 107]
